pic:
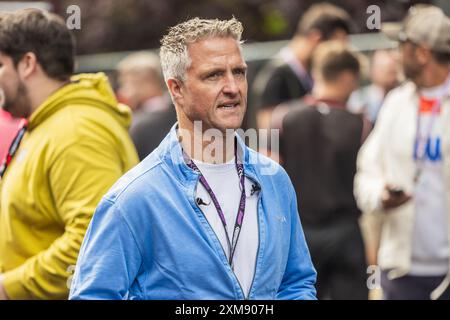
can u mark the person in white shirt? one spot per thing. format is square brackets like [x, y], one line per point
[404, 166]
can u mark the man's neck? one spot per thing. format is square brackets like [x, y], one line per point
[201, 147]
[43, 90]
[330, 93]
[434, 77]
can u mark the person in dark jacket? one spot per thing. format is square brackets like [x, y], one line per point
[319, 143]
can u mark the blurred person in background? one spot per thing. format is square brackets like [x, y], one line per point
[384, 76]
[141, 86]
[73, 145]
[287, 76]
[404, 165]
[319, 143]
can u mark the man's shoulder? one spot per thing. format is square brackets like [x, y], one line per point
[280, 74]
[267, 169]
[273, 178]
[71, 129]
[397, 100]
[272, 71]
[82, 121]
[301, 105]
[281, 68]
[298, 110]
[405, 90]
[153, 121]
[144, 178]
[274, 65]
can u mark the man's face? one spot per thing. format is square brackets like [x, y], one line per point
[385, 69]
[412, 68]
[215, 88]
[16, 99]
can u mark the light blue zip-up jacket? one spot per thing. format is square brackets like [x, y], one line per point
[148, 239]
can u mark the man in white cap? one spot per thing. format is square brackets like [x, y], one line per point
[404, 166]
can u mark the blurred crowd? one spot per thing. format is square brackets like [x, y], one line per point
[364, 140]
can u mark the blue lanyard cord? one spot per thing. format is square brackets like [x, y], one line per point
[241, 210]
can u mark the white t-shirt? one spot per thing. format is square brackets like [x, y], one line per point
[430, 250]
[224, 181]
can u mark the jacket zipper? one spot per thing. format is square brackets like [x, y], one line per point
[259, 237]
[223, 250]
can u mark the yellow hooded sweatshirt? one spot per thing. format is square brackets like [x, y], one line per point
[76, 147]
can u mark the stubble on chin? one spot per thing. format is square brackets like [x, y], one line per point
[21, 107]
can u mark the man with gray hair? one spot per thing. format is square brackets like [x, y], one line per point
[199, 218]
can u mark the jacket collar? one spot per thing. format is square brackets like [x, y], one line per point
[93, 90]
[171, 153]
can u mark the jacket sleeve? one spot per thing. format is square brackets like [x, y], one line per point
[300, 276]
[77, 179]
[109, 259]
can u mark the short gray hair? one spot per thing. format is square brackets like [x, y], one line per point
[174, 55]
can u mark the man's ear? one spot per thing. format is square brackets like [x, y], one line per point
[27, 65]
[423, 55]
[315, 37]
[175, 87]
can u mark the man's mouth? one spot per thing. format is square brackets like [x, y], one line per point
[229, 105]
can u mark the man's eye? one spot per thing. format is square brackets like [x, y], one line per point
[239, 72]
[213, 76]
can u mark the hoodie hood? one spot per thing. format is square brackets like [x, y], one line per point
[87, 89]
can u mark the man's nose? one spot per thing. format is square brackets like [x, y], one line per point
[231, 86]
